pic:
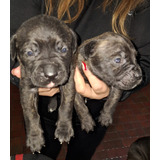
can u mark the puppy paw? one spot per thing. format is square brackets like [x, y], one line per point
[105, 119]
[35, 141]
[64, 131]
[87, 123]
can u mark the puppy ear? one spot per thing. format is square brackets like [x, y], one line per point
[87, 49]
[74, 41]
[13, 47]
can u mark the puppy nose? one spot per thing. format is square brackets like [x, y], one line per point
[137, 74]
[49, 71]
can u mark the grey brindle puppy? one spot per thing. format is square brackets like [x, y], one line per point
[44, 47]
[112, 58]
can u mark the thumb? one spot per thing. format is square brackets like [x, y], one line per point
[79, 80]
[90, 76]
[16, 72]
[97, 85]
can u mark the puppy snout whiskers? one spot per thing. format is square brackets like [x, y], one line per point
[137, 73]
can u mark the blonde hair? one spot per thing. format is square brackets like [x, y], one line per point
[119, 14]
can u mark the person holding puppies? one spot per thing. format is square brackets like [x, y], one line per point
[88, 19]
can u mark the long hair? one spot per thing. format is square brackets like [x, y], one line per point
[118, 18]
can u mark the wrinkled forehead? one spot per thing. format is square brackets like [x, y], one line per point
[43, 34]
[111, 46]
[43, 31]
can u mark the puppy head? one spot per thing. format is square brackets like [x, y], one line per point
[112, 58]
[44, 47]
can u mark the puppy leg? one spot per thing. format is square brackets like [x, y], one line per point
[64, 130]
[34, 132]
[105, 117]
[87, 123]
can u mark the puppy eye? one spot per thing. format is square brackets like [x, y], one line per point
[30, 53]
[117, 60]
[64, 50]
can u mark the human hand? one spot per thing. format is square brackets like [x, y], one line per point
[97, 88]
[42, 91]
[48, 91]
[16, 72]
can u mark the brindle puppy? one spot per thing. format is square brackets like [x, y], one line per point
[112, 58]
[44, 47]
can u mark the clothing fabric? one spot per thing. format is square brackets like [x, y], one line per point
[30, 157]
[91, 22]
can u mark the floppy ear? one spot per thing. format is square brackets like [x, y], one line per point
[13, 47]
[87, 49]
[74, 41]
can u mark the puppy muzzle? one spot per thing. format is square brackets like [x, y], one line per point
[49, 75]
[129, 79]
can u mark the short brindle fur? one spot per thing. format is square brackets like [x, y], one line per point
[112, 58]
[45, 49]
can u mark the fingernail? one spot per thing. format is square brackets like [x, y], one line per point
[84, 65]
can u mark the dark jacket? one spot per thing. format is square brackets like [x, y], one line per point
[93, 22]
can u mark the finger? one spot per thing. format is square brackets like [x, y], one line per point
[80, 85]
[44, 89]
[96, 84]
[16, 72]
[48, 91]
[79, 80]
[84, 88]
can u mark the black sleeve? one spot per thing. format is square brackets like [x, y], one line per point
[140, 36]
[20, 11]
